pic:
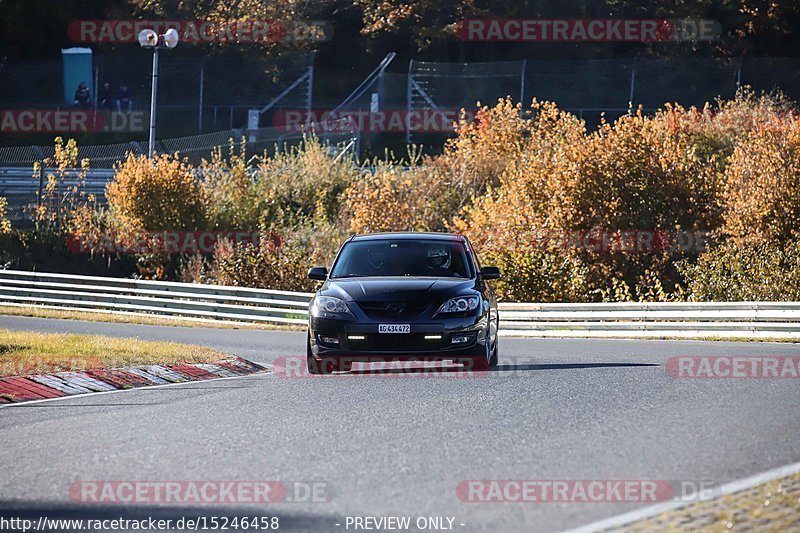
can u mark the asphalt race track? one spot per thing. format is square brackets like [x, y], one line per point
[398, 445]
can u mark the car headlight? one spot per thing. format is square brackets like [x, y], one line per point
[330, 304]
[460, 304]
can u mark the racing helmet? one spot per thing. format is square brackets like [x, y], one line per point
[376, 258]
[438, 257]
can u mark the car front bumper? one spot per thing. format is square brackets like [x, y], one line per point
[428, 340]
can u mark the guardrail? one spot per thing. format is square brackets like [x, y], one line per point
[205, 303]
[187, 301]
[22, 187]
[778, 320]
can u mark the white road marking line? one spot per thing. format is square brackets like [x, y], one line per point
[717, 492]
[85, 395]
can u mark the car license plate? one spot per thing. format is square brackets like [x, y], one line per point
[394, 328]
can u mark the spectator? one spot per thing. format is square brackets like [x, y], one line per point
[83, 98]
[105, 97]
[123, 99]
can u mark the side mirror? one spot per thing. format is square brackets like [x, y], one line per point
[318, 273]
[489, 272]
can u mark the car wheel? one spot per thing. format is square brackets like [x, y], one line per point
[495, 352]
[314, 365]
[483, 363]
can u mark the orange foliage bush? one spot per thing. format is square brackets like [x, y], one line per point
[537, 188]
[231, 199]
[394, 199]
[510, 177]
[517, 182]
[430, 195]
[762, 186]
[5, 224]
[302, 185]
[155, 194]
[64, 189]
[485, 146]
[274, 263]
[638, 173]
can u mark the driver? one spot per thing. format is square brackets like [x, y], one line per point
[438, 262]
[376, 258]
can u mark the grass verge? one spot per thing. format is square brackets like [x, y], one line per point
[772, 506]
[24, 352]
[153, 320]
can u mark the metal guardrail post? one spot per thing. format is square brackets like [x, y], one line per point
[41, 185]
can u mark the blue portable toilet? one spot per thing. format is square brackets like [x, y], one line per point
[77, 68]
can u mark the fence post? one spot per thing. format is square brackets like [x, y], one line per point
[310, 91]
[42, 159]
[200, 105]
[41, 184]
[94, 95]
[409, 96]
[739, 73]
[633, 83]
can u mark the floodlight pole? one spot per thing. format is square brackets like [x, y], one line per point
[153, 89]
[150, 39]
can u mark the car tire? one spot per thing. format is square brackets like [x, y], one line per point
[315, 366]
[481, 364]
[318, 367]
[495, 352]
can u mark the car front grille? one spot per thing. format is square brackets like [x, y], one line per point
[398, 342]
[392, 309]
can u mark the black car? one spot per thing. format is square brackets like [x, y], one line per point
[400, 297]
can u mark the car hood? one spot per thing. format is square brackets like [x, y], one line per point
[396, 288]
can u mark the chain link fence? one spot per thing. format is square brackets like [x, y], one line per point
[198, 95]
[194, 148]
[591, 89]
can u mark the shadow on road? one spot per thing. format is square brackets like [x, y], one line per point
[411, 370]
[566, 366]
[448, 369]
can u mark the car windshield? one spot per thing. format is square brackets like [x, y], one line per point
[403, 257]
